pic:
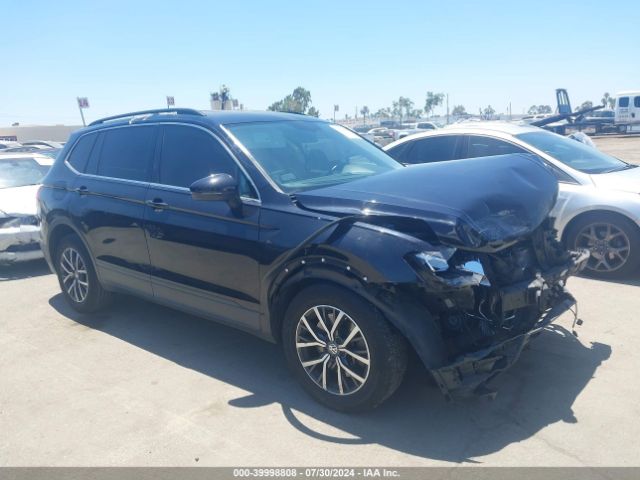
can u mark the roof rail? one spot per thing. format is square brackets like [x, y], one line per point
[186, 111]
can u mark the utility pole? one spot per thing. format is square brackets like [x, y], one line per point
[447, 109]
[509, 111]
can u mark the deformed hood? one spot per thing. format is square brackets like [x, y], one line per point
[479, 203]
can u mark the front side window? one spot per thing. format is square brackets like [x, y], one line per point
[623, 102]
[577, 155]
[302, 155]
[481, 146]
[20, 172]
[433, 149]
[127, 152]
[189, 154]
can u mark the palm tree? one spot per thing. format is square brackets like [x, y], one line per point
[364, 111]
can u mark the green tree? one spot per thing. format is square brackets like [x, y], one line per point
[459, 111]
[402, 107]
[488, 112]
[313, 112]
[587, 104]
[383, 113]
[608, 100]
[533, 110]
[297, 102]
[364, 111]
[544, 109]
[433, 100]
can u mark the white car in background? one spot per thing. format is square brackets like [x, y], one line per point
[598, 203]
[20, 178]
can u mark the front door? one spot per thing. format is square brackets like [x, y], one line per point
[204, 256]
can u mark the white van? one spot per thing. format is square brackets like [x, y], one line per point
[628, 111]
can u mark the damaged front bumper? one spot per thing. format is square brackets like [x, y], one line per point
[469, 373]
[19, 244]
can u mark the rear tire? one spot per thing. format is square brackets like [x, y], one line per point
[357, 361]
[614, 241]
[77, 276]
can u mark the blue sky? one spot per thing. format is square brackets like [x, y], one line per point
[128, 56]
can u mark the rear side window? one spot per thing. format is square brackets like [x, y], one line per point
[623, 102]
[480, 146]
[401, 151]
[433, 149]
[81, 152]
[636, 102]
[126, 153]
[189, 154]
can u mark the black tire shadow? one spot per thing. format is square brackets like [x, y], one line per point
[538, 391]
[20, 270]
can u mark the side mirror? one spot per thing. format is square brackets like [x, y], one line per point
[217, 187]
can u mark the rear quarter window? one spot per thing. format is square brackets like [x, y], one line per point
[81, 152]
[636, 102]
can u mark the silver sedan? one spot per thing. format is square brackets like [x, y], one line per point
[598, 204]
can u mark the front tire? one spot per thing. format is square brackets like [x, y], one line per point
[614, 242]
[77, 277]
[341, 349]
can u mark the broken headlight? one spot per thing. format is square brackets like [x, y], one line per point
[441, 265]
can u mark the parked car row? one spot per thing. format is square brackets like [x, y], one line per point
[303, 233]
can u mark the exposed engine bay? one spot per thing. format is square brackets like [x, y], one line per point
[486, 300]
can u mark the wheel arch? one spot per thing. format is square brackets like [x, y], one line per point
[570, 225]
[400, 308]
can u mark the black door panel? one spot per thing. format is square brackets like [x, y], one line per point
[203, 255]
[110, 211]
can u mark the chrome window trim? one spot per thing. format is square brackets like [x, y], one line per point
[251, 200]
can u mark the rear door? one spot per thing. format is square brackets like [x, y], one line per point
[109, 204]
[205, 257]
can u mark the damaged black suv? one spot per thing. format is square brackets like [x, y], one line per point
[301, 232]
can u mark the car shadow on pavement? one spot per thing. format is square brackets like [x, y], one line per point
[536, 392]
[18, 271]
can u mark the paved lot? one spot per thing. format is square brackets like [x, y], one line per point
[144, 385]
[625, 147]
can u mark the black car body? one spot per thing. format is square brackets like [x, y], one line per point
[459, 259]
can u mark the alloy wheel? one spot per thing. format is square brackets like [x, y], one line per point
[609, 245]
[332, 350]
[75, 279]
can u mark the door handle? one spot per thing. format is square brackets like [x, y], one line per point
[157, 204]
[82, 189]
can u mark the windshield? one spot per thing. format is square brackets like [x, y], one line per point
[302, 155]
[574, 154]
[18, 172]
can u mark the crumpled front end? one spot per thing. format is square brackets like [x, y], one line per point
[488, 306]
[19, 239]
